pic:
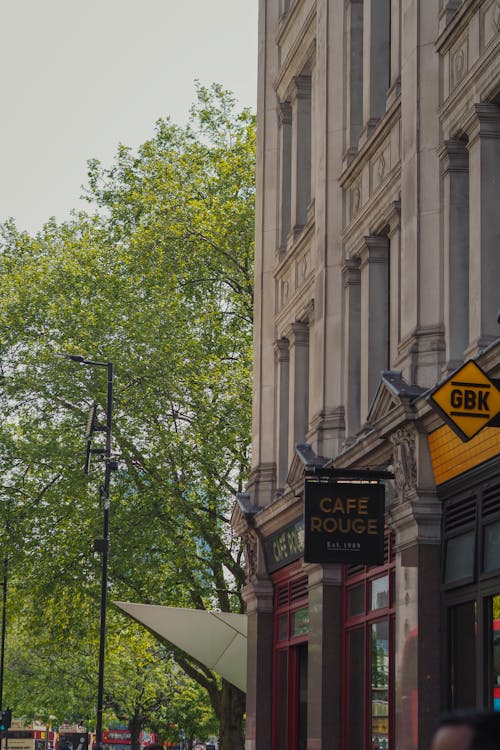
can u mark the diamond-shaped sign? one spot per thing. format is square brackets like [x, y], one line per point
[468, 400]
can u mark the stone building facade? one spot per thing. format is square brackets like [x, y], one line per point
[377, 275]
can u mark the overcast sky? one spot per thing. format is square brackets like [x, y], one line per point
[78, 77]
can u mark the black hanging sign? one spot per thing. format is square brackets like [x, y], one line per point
[344, 522]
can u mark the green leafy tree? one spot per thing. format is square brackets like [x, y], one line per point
[188, 716]
[157, 278]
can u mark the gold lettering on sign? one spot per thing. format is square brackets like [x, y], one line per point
[342, 516]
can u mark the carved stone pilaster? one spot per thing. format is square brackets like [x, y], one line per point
[251, 551]
[404, 462]
[416, 515]
[242, 523]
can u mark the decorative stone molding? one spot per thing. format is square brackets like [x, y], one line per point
[448, 11]
[284, 113]
[301, 87]
[262, 483]
[416, 521]
[250, 549]
[380, 166]
[374, 250]
[299, 333]
[484, 122]
[328, 419]
[404, 463]
[243, 524]
[459, 62]
[323, 575]
[282, 350]
[258, 596]
[491, 21]
[454, 156]
[496, 15]
[350, 271]
[284, 291]
[355, 199]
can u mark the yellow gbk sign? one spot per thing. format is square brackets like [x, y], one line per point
[468, 400]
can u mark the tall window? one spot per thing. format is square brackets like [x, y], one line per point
[483, 146]
[369, 650]
[354, 80]
[285, 121]
[376, 60]
[282, 357]
[291, 629]
[301, 151]
[299, 384]
[455, 159]
[374, 316]
[352, 343]
[471, 592]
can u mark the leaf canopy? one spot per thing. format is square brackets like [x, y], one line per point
[156, 277]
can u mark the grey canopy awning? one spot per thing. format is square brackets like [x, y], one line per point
[217, 639]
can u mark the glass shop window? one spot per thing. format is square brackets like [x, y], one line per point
[369, 655]
[459, 557]
[471, 593]
[463, 634]
[291, 620]
[494, 651]
[491, 547]
[379, 696]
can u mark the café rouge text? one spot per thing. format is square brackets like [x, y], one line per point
[344, 515]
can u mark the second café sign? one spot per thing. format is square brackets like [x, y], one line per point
[344, 522]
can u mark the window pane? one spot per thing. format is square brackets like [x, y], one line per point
[356, 600]
[356, 681]
[300, 622]
[281, 700]
[380, 685]
[459, 557]
[302, 730]
[380, 593]
[283, 628]
[492, 546]
[494, 666]
[463, 629]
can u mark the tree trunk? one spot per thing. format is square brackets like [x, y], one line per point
[135, 726]
[231, 711]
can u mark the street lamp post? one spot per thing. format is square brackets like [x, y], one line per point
[101, 545]
[4, 616]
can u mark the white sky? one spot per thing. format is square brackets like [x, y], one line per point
[78, 77]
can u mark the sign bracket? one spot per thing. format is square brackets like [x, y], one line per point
[326, 472]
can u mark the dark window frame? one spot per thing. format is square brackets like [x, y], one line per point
[353, 577]
[290, 595]
[483, 485]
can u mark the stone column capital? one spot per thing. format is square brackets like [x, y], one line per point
[284, 113]
[299, 333]
[375, 249]
[484, 122]
[350, 271]
[454, 156]
[282, 349]
[258, 596]
[301, 87]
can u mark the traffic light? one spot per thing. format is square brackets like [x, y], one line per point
[5, 719]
